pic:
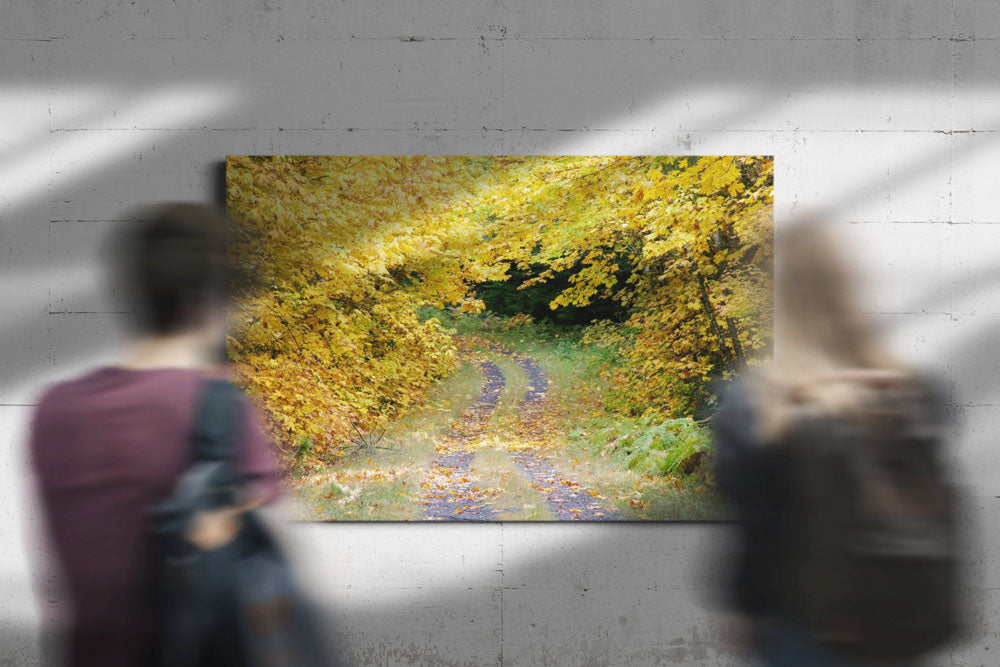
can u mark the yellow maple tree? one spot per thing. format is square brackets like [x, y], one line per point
[334, 257]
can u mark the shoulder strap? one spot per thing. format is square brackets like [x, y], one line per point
[210, 477]
[217, 421]
[214, 442]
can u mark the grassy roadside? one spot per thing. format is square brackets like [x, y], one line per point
[384, 484]
[634, 475]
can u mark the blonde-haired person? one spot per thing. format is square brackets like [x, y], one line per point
[829, 454]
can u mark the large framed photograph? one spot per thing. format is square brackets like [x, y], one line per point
[498, 338]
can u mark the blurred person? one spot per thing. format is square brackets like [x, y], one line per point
[830, 454]
[109, 446]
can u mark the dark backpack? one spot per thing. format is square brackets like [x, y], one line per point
[873, 566]
[236, 605]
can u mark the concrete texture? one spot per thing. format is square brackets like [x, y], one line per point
[885, 113]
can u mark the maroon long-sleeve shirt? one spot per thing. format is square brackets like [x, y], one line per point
[107, 447]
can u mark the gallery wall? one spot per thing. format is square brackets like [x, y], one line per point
[885, 114]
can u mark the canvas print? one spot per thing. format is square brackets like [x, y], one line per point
[498, 338]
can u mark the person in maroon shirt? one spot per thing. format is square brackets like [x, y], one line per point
[110, 445]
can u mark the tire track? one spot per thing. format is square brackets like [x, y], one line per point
[565, 498]
[449, 498]
[451, 491]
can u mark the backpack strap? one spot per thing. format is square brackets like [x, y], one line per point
[210, 479]
[216, 423]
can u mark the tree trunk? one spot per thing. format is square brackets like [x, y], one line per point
[710, 311]
[735, 339]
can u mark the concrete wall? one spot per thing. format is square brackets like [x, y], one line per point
[884, 112]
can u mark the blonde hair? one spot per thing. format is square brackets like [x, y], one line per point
[827, 359]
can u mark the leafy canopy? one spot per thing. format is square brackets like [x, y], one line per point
[334, 256]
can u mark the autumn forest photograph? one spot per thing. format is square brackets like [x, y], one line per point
[497, 338]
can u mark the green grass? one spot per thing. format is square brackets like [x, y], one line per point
[655, 469]
[518, 500]
[414, 434]
[698, 503]
[396, 500]
[647, 445]
[515, 384]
